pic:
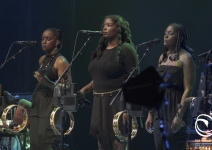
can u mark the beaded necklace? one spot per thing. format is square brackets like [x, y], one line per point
[43, 71]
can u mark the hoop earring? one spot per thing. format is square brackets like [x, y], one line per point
[60, 46]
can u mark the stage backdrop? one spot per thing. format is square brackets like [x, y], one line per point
[26, 20]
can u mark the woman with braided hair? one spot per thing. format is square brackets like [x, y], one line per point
[111, 63]
[51, 67]
[177, 67]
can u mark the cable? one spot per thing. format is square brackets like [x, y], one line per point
[7, 55]
[75, 42]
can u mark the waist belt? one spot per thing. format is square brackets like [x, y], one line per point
[106, 93]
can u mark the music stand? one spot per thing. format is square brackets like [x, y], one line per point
[146, 89]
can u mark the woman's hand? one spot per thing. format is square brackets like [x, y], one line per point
[38, 76]
[177, 124]
[149, 123]
[44, 80]
[82, 102]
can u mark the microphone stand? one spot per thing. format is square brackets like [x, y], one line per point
[13, 57]
[128, 110]
[87, 41]
[61, 102]
[206, 93]
[161, 123]
[62, 114]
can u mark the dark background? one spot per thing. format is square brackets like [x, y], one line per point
[27, 19]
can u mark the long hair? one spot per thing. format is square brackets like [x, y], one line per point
[124, 35]
[182, 32]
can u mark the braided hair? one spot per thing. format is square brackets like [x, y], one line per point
[58, 34]
[124, 35]
[181, 32]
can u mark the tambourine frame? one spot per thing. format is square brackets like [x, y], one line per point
[52, 116]
[116, 130]
[20, 127]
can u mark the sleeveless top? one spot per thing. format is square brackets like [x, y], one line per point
[173, 75]
[50, 71]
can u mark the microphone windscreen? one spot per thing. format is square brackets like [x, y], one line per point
[25, 103]
[18, 116]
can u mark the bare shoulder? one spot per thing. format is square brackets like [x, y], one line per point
[160, 59]
[61, 59]
[61, 62]
[185, 56]
[41, 59]
[187, 59]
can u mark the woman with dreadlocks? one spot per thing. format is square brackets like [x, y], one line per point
[177, 67]
[111, 64]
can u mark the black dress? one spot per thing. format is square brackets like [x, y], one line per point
[108, 75]
[42, 136]
[174, 76]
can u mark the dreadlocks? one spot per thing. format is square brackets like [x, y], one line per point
[182, 32]
[124, 35]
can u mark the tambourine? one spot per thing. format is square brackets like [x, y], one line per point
[117, 131]
[53, 124]
[9, 112]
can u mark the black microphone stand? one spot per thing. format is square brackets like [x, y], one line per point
[87, 41]
[161, 123]
[61, 101]
[13, 57]
[128, 110]
[206, 92]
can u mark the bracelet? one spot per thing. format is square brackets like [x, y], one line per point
[179, 106]
[179, 115]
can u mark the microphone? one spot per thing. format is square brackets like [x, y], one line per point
[149, 43]
[98, 33]
[31, 43]
[204, 54]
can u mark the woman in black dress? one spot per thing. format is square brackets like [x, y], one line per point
[41, 135]
[111, 64]
[177, 67]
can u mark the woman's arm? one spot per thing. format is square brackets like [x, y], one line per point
[130, 58]
[189, 72]
[149, 120]
[87, 88]
[60, 65]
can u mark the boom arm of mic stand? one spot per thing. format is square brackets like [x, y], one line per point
[13, 57]
[131, 73]
[88, 40]
[61, 108]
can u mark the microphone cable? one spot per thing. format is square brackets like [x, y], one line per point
[75, 43]
[2, 65]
